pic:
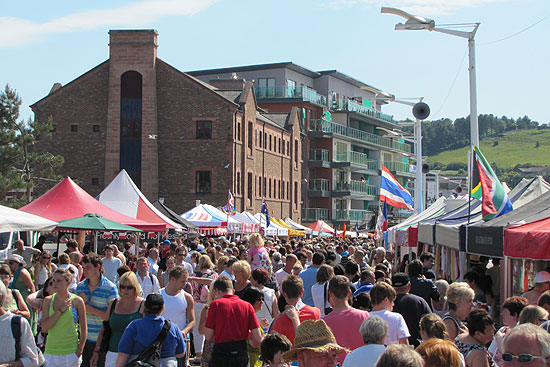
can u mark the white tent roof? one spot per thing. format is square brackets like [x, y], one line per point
[12, 220]
[298, 226]
[273, 229]
[206, 215]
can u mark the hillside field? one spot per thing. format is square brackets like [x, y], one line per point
[514, 147]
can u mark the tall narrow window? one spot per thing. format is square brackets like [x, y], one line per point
[238, 185]
[239, 131]
[130, 124]
[295, 193]
[250, 135]
[204, 182]
[296, 152]
[250, 188]
[204, 129]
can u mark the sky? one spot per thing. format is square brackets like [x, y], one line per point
[58, 41]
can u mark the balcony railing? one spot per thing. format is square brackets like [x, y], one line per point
[356, 186]
[350, 214]
[319, 184]
[352, 106]
[307, 94]
[330, 127]
[313, 214]
[319, 155]
[398, 166]
[357, 158]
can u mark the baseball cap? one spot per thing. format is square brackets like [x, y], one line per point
[542, 277]
[400, 279]
[166, 242]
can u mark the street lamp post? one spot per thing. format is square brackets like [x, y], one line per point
[415, 22]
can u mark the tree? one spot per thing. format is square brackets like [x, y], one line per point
[21, 167]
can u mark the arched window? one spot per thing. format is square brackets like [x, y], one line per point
[130, 124]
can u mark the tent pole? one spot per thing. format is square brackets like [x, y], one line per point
[95, 240]
[58, 240]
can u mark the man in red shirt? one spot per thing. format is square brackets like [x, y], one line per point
[344, 320]
[230, 321]
[296, 311]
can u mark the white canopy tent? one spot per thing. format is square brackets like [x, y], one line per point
[273, 229]
[298, 226]
[12, 220]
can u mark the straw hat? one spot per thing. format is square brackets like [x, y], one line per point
[17, 258]
[313, 335]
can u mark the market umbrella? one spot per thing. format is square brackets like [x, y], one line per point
[95, 222]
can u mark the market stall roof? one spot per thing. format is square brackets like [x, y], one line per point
[173, 215]
[205, 215]
[321, 227]
[13, 220]
[96, 222]
[67, 200]
[298, 226]
[274, 228]
[531, 240]
[291, 231]
[123, 195]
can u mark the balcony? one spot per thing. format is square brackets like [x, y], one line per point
[400, 168]
[314, 214]
[352, 106]
[356, 158]
[303, 93]
[319, 158]
[354, 188]
[319, 184]
[351, 215]
[362, 136]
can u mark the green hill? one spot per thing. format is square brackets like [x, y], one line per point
[508, 150]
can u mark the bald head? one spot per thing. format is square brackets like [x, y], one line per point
[290, 260]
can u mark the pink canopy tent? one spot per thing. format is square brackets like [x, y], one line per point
[531, 240]
[67, 200]
[321, 227]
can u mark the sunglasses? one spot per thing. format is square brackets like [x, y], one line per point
[13, 262]
[522, 358]
[128, 287]
[46, 257]
[180, 254]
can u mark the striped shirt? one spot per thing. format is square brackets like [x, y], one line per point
[100, 298]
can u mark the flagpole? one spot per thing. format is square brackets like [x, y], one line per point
[471, 157]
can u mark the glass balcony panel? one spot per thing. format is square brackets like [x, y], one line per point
[350, 214]
[319, 155]
[356, 186]
[313, 214]
[319, 184]
[305, 93]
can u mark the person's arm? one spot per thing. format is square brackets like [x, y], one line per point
[477, 358]
[122, 359]
[452, 331]
[403, 341]
[274, 307]
[93, 361]
[208, 333]
[156, 284]
[25, 277]
[190, 315]
[78, 303]
[22, 308]
[49, 321]
[202, 320]
[205, 281]
[255, 338]
[34, 301]
[37, 271]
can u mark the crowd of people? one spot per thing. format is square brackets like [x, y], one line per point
[255, 302]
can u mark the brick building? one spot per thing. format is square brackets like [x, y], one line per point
[179, 138]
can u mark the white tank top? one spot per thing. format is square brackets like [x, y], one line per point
[175, 308]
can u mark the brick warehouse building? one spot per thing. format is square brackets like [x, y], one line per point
[179, 138]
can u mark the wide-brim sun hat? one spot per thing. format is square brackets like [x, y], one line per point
[313, 335]
[17, 258]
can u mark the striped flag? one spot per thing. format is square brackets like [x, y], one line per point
[382, 221]
[393, 193]
[487, 188]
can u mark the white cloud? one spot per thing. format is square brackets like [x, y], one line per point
[138, 14]
[428, 8]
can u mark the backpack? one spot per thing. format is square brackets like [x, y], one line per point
[16, 332]
[150, 356]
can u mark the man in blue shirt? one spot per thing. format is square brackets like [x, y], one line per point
[365, 283]
[309, 277]
[143, 332]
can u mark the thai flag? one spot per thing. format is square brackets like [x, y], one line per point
[382, 221]
[393, 193]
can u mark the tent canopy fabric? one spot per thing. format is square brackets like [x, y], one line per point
[531, 240]
[274, 228]
[173, 215]
[298, 226]
[95, 222]
[206, 215]
[321, 227]
[67, 200]
[123, 195]
[12, 220]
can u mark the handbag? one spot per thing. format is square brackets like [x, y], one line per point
[107, 331]
[150, 356]
[327, 309]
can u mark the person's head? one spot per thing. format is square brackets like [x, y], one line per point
[511, 308]
[154, 304]
[481, 325]
[20, 245]
[379, 254]
[314, 346]
[339, 288]
[3, 294]
[255, 240]
[351, 269]
[260, 277]
[290, 260]
[122, 270]
[542, 281]
[170, 262]
[428, 259]
[318, 259]
[48, 289]
[362, 302]
[359, 256]
[374, 330]
[64, 259]
[222, 285]
[272, 347]
[16, 261]
[400, 355]
[109, 251]
[437, 352]
[153, 253]
[432, 326]
[254, 296]
[61, 280]
[533, 314]
[142, 265]
[401, 283]
[128, 285]
[205, 263]
[46, 259]
[5, 274]
[472, 278]
[181, 253]
[222, 263]
[382, 293]
[75, 258]
[292, 287]
[177, 277]
[460, 298]
[242, 270]
[324, 274]
[544, 300]
[442, 287]
[526, 345]
[72, 245]
[367, 276]
[415, 268]
[302, 257]
[91, 265]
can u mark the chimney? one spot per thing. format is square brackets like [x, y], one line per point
[134, 45]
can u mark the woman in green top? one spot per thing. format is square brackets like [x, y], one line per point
[62, 314]
[23, 282]
[14, 302]
[127, 308]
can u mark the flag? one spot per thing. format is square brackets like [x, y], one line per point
[230, 206]
[344, 231]
[356, 229]
[487, 188]
[382, 221]
[393, 193]
[266, 212]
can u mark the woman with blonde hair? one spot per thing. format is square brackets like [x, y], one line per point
[431, 326]
[437, 353]
[533, 314]
[242, 272]
[43, 269]
[122, 311]
[258, 256]
[460, 298]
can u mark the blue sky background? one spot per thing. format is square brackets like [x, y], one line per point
[58, 41]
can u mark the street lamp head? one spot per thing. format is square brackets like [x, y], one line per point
[414, 22]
